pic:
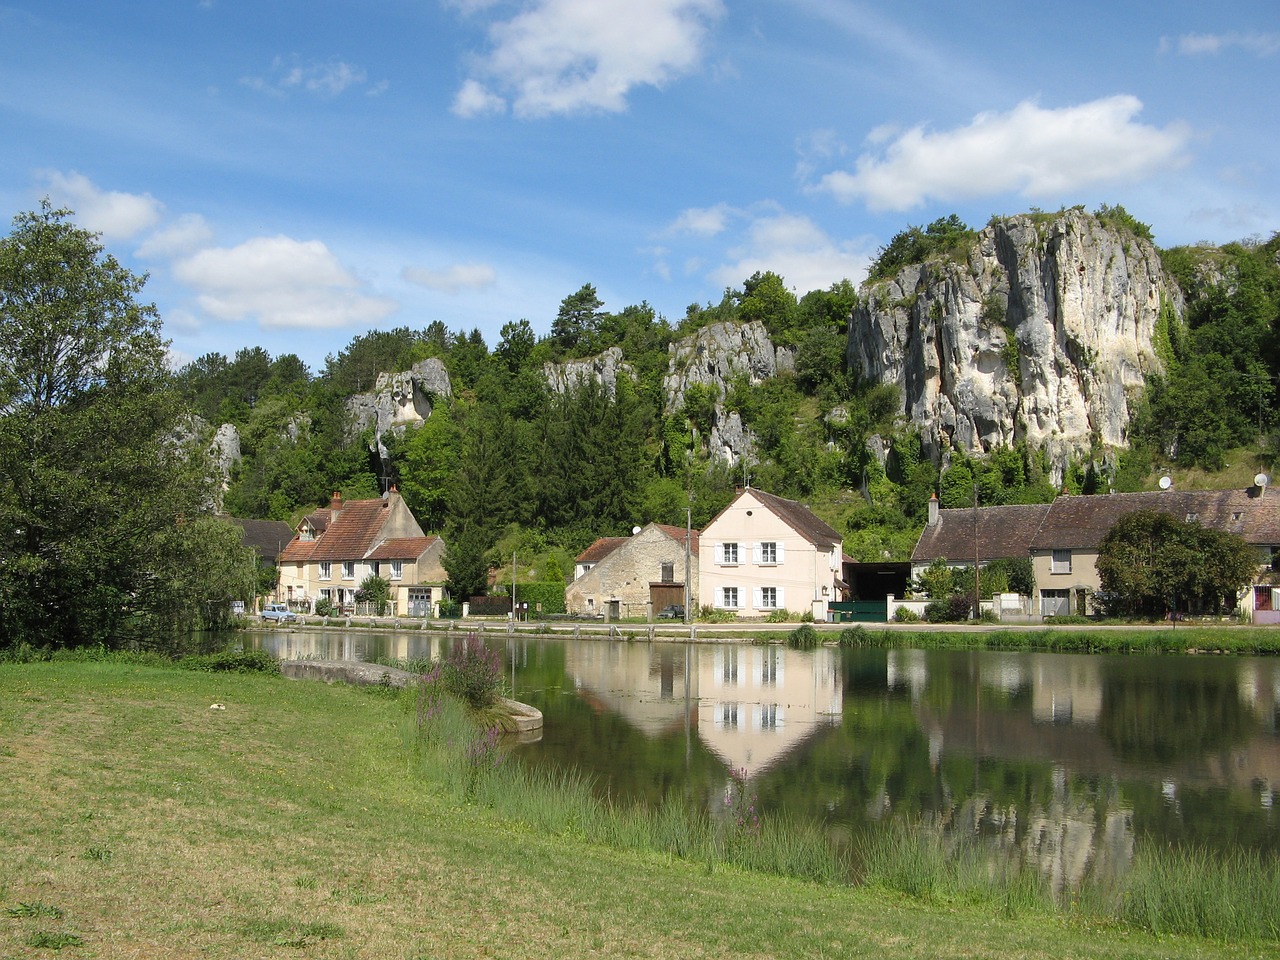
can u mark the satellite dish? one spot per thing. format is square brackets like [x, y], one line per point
[1261, 480]
[1166, 483]
[635, 530]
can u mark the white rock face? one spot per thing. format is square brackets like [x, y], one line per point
[1045, 334]
[604, 368]
[398, 400]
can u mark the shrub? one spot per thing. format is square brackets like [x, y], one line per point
[854, 636]
[780, 616]
[473, 673]
[906, 615]
[232, 661]
[954, 609]
[324, 607]
[803, 637]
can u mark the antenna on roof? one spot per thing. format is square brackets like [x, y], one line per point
[1166, 482]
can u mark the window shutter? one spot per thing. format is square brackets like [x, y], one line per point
[782, 603]
[719, 552]
[757, 598]
[781, 558]
[757, 552]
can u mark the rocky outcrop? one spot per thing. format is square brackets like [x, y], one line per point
[1045, 333]
[715, 356]
[397, 401]
[605, 368]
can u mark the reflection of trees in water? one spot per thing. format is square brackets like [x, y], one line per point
[1180, 718]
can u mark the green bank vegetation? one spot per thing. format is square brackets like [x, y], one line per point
[149, 811]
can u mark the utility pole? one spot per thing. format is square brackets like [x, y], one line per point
[688, 539]
[977, 582]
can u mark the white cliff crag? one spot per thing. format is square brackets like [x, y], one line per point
[398, 400]
[715, 356]
[604, 368]
[1045, 334]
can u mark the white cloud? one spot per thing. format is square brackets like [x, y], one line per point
[1212, 44]
[454, 279]
[328, 78]
[282, 282]
[796, 249]
[1029, 150]
[474, 99]
[188, 233]
[702, 221]
[571, 56]
[116, 215]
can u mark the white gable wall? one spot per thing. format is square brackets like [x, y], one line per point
[799, 577]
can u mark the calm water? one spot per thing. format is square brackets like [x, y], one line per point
[1065, 761]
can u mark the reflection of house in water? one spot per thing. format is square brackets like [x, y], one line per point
[759, 703]
[642, 682]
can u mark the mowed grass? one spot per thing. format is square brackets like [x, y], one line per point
[135, 821]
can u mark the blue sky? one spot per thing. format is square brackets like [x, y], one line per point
[292, 174]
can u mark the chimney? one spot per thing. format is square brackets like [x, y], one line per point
[933, 510]
[335, 504]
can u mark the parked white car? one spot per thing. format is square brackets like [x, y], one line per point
[278, 612]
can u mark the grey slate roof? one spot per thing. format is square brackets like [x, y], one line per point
[267, 538]
[1002, 532]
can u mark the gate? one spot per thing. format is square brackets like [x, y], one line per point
[858, 611]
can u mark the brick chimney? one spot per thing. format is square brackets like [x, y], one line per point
[335, 504]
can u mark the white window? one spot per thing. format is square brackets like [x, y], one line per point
[348, 569]
[729, 598]
[769, 552]
[397, 569]
[326, 570]
[729, 554]
[768, 716]
[1060, 562]
[768, 598]
[726, 715]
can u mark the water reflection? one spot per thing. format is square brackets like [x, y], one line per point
[1064, 762]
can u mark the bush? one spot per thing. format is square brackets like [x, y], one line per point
[803, 637]
[473, 673]
[854, 636]
[906, 615]
[232, 661]
[780, 616]
[324, 607]
[954, 609]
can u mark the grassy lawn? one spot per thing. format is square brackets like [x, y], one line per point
[135, 821]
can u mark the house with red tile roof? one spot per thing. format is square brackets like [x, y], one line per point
[1063, 539]
[337, 547]
[764, 553]
[633, 576]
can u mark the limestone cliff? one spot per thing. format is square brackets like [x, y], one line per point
[1045, 333]
[398, 400]
[604, 368]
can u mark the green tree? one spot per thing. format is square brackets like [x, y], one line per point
[104, 536]
[578, 320]
[1150, 563]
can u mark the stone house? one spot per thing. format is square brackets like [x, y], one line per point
[1063, 538]
[633, 576]
[266, 538]
[337, 547]
[763, 553]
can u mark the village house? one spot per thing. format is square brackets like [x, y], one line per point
[1063, 538]
[763, 553]
[337, 547]
[636, 576]
[266, 538]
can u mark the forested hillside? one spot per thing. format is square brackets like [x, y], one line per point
[507, 462]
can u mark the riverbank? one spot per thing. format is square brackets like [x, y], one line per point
[1164, 637]
[153, 812]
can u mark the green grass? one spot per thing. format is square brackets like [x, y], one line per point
[296, 822]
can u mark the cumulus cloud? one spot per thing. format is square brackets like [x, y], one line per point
[115, 215]
[1212, 44]
[328, 78]
[453, 279]
[572, 56]
[1029, 150]
[796, 249]
[281, 282]
[188, 233]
